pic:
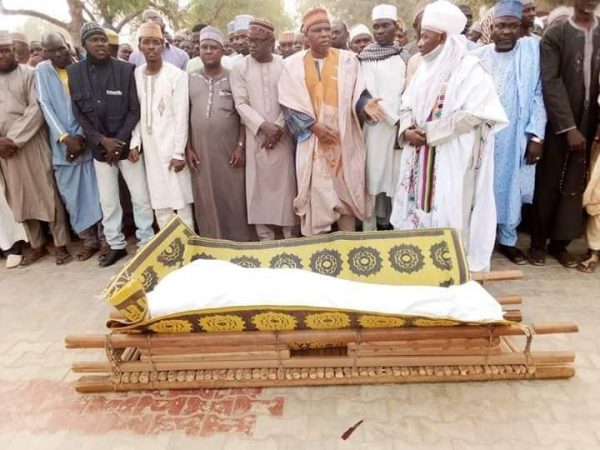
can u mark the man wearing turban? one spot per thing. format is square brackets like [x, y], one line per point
[448, 117]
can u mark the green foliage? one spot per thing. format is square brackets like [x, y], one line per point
[219, 13]
[352, 12]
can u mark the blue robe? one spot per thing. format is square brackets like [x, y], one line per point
[517, 79]
[76, 181]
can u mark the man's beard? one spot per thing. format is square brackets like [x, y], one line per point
[10, 68]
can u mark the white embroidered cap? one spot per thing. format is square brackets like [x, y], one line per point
[385, 12]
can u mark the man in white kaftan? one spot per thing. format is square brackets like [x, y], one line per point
[270, 172]
[447, 121]
[383, 68]
[162, 131]
[10, 230]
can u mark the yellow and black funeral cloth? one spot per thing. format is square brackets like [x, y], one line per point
[418, 258]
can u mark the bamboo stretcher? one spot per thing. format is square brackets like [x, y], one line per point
[150, 361]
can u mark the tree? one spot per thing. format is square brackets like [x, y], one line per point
[359, 11]
[352, 12]
[113, 14]
[219, 13]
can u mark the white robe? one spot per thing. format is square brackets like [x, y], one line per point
[385, 80]
[464, 172]
[10, 230]
[163, 132]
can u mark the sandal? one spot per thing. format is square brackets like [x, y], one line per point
[63, 257]
[33, 256]
[537, 257]
[588, 265]
[565, 258]
[104, 250]
[513, 254]
[86, 253]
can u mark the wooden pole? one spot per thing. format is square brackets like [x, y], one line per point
[143, 341]
[534, 359]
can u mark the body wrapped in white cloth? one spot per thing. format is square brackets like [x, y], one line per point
[208, 284]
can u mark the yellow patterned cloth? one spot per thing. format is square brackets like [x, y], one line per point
[428, 258]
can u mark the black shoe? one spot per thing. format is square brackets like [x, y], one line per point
[112, 257]
[515, 255]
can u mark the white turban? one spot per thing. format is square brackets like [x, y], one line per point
[443, 17]
[385, 12]
[359, 29]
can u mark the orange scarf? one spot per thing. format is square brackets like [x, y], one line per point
[322, 87]
[323, 90]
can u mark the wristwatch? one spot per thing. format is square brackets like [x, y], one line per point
[537, 140]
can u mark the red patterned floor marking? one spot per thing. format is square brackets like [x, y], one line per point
[42, 406]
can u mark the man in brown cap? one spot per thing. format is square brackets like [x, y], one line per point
[163, 129]
[25, 158]
[286, 44]
[330, 160]
[270, 176]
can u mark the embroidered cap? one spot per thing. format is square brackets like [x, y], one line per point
[242, 22]
[5, 38]
[385, 12]
[287, 37]
[212, 34]
[359, 30]
[261, 27]
[508, 8]
[313, 16]
[150, 30]
[113, 37]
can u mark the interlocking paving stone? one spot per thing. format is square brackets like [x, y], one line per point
[41, 304]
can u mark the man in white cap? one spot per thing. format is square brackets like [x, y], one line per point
[240, 38]
[25, 158]
[162, 131]
[270, 173]
[216, 149]
[514, 65]
[360, 37]
[229, 43]
[171, 54]
[448, 116]
[383, 67]
[324, 98]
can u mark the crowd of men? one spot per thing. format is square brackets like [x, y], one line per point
[248, 137]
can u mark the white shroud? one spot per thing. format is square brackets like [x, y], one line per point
[208, 284]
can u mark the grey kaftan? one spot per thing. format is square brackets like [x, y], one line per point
[219, 189]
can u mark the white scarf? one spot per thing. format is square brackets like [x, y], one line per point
[430, 76]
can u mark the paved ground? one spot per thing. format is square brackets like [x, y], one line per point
[41, 304]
